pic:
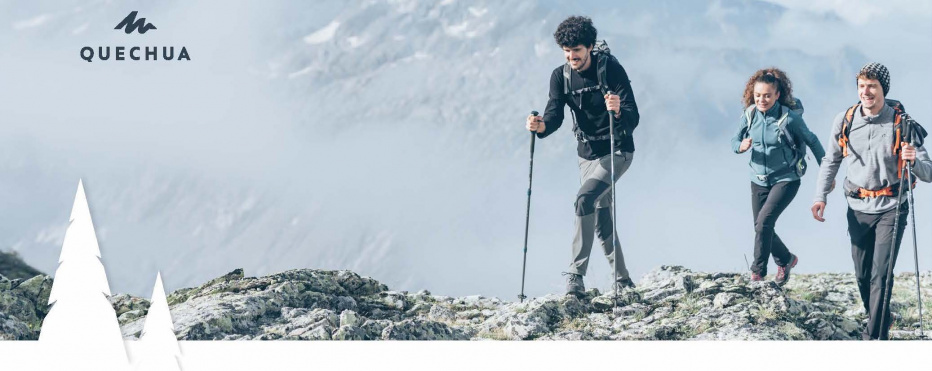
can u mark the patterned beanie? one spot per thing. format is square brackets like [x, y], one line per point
[880, 72]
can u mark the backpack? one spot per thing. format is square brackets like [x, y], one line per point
[602, 55]
[799, 159]
[912, 131]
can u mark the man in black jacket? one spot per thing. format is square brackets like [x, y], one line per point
[591, 97]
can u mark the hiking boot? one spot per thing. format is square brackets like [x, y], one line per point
[624, 283]
[783, 273]
[756, 277]
[574, 284]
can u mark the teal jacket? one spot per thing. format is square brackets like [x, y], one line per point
[772, 159]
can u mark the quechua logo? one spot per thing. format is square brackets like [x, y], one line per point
[130, 24]
[135, 53]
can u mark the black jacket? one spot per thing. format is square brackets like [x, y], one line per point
[591, 115]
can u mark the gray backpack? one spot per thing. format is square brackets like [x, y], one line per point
[799, 150]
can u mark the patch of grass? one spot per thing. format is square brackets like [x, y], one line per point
[639, 315]
[688, 305]
[906, 296]
[764, 315]
[792, 331]
[573, 324]
[808, 295]
[494, 334]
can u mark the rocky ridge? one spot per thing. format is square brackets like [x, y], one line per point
[670, 303]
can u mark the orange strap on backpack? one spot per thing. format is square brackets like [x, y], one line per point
[866, 193]
[889, 191]
[898, 143]
[843, 137]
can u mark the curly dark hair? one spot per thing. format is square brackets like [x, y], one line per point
[775, 77]
[574, 31]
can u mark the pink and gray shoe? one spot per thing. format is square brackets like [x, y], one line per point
[783, 273]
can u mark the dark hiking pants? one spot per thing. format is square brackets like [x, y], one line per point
[768, 203]
[871, 241]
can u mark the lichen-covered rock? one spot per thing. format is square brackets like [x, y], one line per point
[12, 328]
[235, 306]
[23, 306]
[303, 324]
[440, 313]
[129, 307]
[350, 333]
[348, 318]
[417, 329]
[670, 303]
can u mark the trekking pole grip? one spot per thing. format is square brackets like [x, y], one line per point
[533, 139]
[534, 113]
[609, 92]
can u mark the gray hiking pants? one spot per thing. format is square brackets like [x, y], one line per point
[594, 215]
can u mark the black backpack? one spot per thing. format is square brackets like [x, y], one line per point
[602, 55]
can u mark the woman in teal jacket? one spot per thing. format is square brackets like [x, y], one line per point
[773, 129]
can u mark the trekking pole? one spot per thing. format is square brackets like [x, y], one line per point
[909, 172]
[907, 128]
[527, 218]
[888, 294]
[611, 153]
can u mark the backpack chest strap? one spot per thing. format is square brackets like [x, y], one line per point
[586, 90]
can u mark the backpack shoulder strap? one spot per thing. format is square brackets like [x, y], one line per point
[849, 116]
[566, 79]
[602, 71]
[899, 136]
[749, 117]
[781, 124]
[898, 114]
[567, 75]
[846, 128]
[784, 114]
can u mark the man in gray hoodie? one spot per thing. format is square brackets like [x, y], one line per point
[866, 139]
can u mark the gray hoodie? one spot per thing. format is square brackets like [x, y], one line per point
[871, 161]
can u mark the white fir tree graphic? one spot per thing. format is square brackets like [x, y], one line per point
[158, 346]
[81, 331]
